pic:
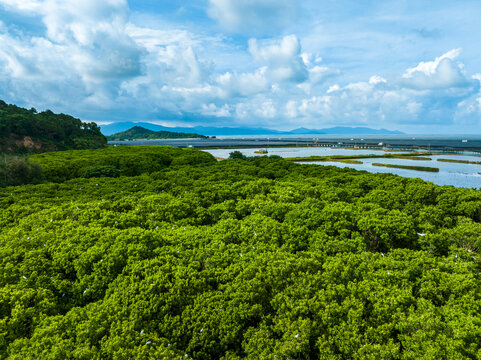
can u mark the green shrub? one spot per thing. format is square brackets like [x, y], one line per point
[237, 155]
[102, 171]
[20, 171]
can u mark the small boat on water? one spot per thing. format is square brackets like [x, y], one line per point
[261, 151]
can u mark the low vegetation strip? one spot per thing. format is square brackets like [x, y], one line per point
[460, 161]
[348, 161]
[409, 156]
[407, 167]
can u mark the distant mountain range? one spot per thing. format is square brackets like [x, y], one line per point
[226, 131]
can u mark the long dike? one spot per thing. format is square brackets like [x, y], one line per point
[433, 145]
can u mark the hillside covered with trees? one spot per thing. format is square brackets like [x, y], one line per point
[28, 131]
[189, 258]
[140, 133]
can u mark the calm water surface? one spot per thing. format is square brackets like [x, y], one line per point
[454, 174]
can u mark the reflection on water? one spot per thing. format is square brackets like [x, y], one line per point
[455, 174]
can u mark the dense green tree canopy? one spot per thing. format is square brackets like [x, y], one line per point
[23, 131]
[238, 259]
[130, 161]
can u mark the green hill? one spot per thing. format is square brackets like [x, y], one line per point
[28, 131]
[140, 133]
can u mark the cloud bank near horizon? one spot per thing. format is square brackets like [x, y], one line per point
[264, 63]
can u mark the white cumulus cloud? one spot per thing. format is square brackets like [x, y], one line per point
[443, 72]
[283, 58]
[85, 52]
[22, 5]
[253, 16]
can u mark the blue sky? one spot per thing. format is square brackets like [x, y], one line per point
[403, 65]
